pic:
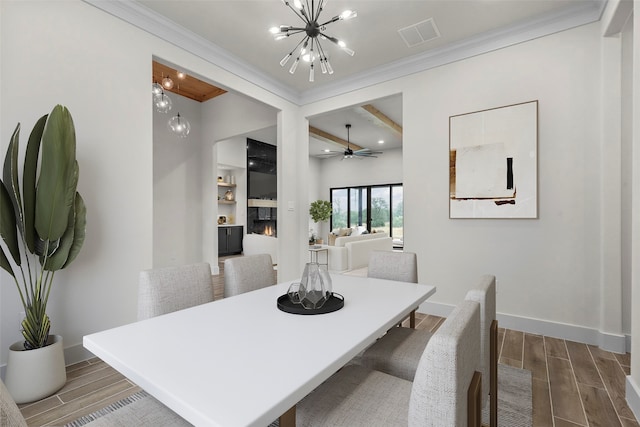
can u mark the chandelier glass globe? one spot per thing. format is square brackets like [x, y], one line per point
[162, 102]
[179, 125]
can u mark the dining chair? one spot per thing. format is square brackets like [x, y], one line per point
[10, 415]
[167, 289]
[400, 266]
[444, 393]
[398, 352]
[248, 273]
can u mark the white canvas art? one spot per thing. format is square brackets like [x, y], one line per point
[493, 163]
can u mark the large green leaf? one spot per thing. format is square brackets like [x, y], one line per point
[10, 175]
[58, 258]
[8, 230]
[4, 263]
[29, 182]
[80, 230]
[56, 187]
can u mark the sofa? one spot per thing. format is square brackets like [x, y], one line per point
[351, 252]
[254, 244]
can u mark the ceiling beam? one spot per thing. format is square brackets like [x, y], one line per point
[327, 137]
[382, 118]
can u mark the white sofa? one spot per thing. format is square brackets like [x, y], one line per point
[351, 252]
[254, 244]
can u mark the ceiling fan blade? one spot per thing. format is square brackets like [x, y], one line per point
[366, 151]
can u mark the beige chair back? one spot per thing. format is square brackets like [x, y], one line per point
[168, 289]
[485, 295]
[439, 396]
[389, 265]
[248, 273]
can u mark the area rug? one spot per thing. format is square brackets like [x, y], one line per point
[514, 403]
[137, 409]
[514, 398]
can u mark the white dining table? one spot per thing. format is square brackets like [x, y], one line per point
[241, 361]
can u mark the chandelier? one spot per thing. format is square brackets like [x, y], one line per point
[311, 49]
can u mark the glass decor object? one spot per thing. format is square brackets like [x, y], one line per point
[315, 287]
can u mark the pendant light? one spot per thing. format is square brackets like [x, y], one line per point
[179, 125]
[162, 102]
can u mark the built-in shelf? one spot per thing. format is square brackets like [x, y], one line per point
[227, 202]
[225, 184]
[262, 203]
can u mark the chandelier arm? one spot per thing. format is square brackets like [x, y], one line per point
[296, 12]
[331, 21]
[304, 39]
[330, 38]
[296, 31]
[321, 53]
[318, 10]
[303, 11]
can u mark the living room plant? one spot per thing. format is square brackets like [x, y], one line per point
[320, 210]
[42, 221]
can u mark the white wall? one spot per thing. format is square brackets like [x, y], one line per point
[548, 269]
[316, 191]
[626, 169]
[72, 53]
[177, 187]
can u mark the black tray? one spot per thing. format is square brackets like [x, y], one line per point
[335, 303]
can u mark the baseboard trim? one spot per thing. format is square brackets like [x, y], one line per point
[607, 341]
[633, 396]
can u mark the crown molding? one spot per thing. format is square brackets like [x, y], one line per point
[581, 13]
[165, 29]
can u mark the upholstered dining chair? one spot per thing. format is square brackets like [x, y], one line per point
[154, 415]
[248, 273]
[168, 289]
[400, 266]
[444, 393]
[398, 352]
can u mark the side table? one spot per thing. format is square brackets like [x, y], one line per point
[314, 250]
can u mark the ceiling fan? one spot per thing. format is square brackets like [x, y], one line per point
[349, 153]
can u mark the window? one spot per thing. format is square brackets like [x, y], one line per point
[378, 207]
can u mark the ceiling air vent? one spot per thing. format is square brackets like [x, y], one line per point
[418, 33]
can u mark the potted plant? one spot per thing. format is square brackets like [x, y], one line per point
[320, 211]
[42, 225]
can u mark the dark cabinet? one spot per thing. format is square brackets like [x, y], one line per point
[229, 240]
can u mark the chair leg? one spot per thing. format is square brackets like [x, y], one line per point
[474, 401]
[493, 372]
[288, 419]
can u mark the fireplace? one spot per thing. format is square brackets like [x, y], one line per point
[262, 221]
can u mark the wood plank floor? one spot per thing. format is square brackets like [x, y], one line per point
[574, 384]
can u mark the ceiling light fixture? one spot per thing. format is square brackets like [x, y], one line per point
[311, 49]
[156, 89]
[167, 83]
[162, 102]
[180, 126]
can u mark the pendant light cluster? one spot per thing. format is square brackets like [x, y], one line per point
[311, 49]
[177, 124]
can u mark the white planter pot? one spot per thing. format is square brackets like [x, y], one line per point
[35, 374]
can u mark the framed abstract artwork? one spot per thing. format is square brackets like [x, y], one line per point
[493, 163]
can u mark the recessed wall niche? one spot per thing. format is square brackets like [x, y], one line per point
[262, 188]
